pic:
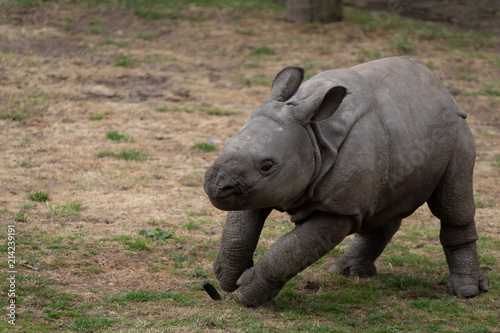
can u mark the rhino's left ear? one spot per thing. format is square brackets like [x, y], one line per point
[286, 83]
[320, 105]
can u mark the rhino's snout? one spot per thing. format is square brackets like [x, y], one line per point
[220, 188]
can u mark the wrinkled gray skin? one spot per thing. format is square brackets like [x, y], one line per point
[349, 151]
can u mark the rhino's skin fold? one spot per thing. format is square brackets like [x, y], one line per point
[349, 151]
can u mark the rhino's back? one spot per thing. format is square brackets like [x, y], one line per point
[395, 155]
[408, 83]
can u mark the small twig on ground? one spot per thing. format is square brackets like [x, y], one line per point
[25, 264]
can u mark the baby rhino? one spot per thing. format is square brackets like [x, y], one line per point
[350, 151]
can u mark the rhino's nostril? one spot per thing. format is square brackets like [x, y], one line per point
[228, 190]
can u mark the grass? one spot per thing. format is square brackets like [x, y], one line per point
[192, 179]
[159, 58]
[403, 44]
[71, 209]
[20, 217]
[27, 162]
[206, 147]
[245, 31]
[366, 55]
[127, 154]
[96, 117]
[262, 51]
[145, 36]
[115, 136]
[157, 234]
[372, 21]
[124, 61]
[23, 106]
[39, 196]
[487, 92]
[215, 111]
[115, 43]
[137, 261]
[91, 323]
[163, 108]
[155, 15]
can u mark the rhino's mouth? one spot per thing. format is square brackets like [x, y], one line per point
[227, 191]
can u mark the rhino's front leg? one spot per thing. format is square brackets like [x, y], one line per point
[239, 240]
[291, 254]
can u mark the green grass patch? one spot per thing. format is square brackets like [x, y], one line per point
[96, 117]
[137, 244]
[163, 108]
[115, 136]
[128, 154]
[365, 55]
[20, 217]
[143, 296]
[115, 43]
[402, 43]
[245, 31]
[483, 204]
[124, 61]
[97, 31]
[155, 15]
[497, 160]
[144, 36]
[204, 146]
[39, 196]
[91, 323]
[157, 234]
[372, 21]
[71, 209]
[487, 92]
[27, 162]
[28, 206]
[215, 111]
[23, 106]
[262, 51]
[156, 9]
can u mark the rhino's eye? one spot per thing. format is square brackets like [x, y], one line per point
[266, 167]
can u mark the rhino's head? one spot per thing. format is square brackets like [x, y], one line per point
[271, 161]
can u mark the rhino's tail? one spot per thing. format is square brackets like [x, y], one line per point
[462, 113]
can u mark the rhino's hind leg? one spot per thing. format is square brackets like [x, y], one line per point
[453, 203]
[359, 259]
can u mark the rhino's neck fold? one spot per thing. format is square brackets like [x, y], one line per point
[316, 177]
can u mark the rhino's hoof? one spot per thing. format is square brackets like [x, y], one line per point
[246, 302]
[334, 269]
[366, 270]
[468, 291]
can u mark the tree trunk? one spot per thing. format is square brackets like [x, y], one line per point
[309, 11]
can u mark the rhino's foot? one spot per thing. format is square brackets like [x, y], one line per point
[353, 267]
[227, 273]
[466, 286]
[255, 290]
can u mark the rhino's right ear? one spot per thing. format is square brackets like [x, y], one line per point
[286, 84]
[319, 106]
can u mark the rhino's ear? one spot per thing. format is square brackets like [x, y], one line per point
[320, 105]
[286, 83]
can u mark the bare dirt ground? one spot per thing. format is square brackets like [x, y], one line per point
[59, 64]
